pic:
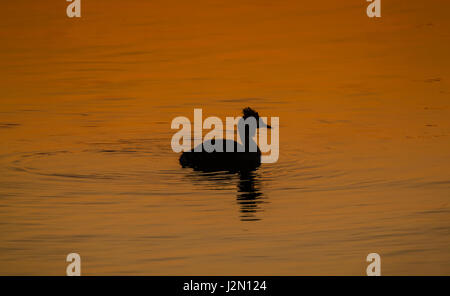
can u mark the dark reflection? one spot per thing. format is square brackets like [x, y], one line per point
[249, 196]
[248, 183]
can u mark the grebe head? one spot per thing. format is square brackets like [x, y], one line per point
[247, 125]
[249, 112]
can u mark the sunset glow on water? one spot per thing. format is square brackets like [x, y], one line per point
[86, 163]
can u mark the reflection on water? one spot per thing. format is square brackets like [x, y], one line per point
[86, 164]
[249, 195]
[118, 196]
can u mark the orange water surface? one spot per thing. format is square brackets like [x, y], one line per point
[86, 164]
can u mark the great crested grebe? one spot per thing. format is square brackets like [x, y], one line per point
[235, 156]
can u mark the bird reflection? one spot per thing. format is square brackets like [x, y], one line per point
[249, 196]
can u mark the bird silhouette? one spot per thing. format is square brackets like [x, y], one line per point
[235, 156]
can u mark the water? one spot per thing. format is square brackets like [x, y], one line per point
[86, 164]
